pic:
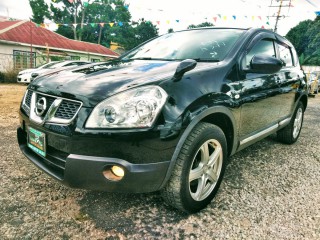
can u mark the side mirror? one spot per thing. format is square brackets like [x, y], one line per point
[264, 64]
[185, 66]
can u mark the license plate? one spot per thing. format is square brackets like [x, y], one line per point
[37, 141]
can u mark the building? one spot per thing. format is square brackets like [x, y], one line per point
[24, 45]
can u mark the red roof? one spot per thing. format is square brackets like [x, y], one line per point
[24, 31]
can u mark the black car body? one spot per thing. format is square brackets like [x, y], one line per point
[155, 113]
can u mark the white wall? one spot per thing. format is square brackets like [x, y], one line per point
[6, 55]
[309, 69]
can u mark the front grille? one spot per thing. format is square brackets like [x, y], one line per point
[67, 109]
[56, 110]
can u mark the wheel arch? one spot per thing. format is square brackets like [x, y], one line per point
[219, 116]
[304, 100]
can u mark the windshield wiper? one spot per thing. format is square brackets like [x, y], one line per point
[150, 58]
[206, 60]
[142, 58]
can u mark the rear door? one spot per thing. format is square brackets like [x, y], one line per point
[288, 78]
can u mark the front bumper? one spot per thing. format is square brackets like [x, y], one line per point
[80, 171]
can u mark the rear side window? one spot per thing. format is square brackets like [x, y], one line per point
[264, 46]
[285, 55]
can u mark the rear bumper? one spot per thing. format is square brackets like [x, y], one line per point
[81, 171]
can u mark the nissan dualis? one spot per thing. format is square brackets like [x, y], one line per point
[166, 115]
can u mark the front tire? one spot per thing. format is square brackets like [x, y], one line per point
[199, 169]
[291, 132]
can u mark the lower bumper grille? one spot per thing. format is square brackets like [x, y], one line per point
[54, 162]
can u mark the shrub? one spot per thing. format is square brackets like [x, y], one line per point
[11, 76]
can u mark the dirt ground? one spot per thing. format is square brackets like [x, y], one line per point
[270, 191]
[10, 99]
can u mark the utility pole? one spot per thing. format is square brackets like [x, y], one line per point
[31, 57]
[280, 7]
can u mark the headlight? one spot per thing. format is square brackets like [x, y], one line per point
[136, 108]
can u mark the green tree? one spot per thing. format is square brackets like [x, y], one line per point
[96, 21]
[299, 36]
[40, 10]
[130, 37]
[204, 24]
[306, 39]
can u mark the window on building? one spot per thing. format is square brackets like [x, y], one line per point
[95, 60]
[75, 58]
[23, 59]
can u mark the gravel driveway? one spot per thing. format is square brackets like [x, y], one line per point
[270, 191]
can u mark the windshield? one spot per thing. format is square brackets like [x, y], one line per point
[201, 45]
[49, 65]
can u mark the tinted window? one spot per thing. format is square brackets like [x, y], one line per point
[207, 45]
[285, 55]
[265, 47]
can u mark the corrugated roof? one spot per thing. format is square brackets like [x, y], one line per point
[26, 31]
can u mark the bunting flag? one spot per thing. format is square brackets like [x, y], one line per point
[217, 19]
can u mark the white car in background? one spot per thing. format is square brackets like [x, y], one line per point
[33, 73]
[24, 76]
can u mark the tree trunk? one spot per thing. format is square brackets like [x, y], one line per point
[82, 20]
[100, 33]
[75, 20]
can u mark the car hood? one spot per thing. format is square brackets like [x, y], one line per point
[94, 87]
[29, 70]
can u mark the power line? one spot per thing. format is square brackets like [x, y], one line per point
[280, 7]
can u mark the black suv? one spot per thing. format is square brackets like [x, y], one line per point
[166, 115]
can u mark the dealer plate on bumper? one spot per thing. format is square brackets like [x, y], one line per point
[37, 141]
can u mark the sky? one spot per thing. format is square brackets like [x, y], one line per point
[178, 14]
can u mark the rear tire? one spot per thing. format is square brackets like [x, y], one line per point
[291, 132]
[199, 169]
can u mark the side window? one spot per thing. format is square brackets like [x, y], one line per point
[265, 47]
[285, 55]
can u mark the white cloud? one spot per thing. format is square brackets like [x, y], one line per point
[21, 10]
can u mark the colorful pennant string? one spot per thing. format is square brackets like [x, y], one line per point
[216, 20]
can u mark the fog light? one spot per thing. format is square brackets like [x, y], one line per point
[118, 171]
[113, 173]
